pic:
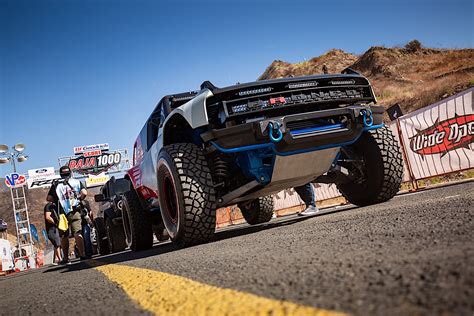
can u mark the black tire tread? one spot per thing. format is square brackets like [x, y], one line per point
[140, 222]
[258, 211]
[198, 193]
[117, 235]
[102, 245]
[390, 153]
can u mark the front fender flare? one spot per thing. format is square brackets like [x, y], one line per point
[193, 111]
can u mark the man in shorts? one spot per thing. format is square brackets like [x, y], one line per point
[68, 194]
[51, 220]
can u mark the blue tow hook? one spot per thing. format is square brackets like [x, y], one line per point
[274, 127]
[367, 118]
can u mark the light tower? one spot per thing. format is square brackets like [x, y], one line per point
[20, 207]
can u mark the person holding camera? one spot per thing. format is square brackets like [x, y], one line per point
[68, 194]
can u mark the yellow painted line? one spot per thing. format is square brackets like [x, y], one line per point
[166, 294]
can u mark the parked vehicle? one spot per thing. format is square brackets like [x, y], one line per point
[108, 222]
[202, 150]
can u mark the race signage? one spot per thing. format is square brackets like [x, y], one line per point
[82, 149]
[36, 183]
[90, 163]
[41, 178]
[93, 181]
[445, 136]
[41, 173]
[439, 138]
[15, 180]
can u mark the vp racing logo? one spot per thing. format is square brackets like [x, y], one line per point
[445, 136]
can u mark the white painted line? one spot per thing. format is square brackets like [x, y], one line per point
[408, 194]
[451, 196]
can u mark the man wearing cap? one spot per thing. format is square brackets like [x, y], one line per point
[67, 194]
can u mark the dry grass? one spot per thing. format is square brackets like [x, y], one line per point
[412, 79]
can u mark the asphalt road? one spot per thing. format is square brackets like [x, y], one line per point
[413, 255]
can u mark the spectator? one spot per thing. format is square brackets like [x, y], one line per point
[67, 194]
[51, 220]
[306, 193]
[86, 228]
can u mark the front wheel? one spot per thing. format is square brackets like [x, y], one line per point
[258, 211]
[101, 236]
[115, 236]
[377, 168]
[186, 194]
[136, 223]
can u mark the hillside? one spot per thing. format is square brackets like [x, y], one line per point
[412, 76]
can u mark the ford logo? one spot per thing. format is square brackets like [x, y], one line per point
[41, 170]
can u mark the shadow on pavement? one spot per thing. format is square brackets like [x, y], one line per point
[165, 247]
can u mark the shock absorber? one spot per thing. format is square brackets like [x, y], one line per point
[221, 168]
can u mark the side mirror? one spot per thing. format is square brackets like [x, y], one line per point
[99, 198]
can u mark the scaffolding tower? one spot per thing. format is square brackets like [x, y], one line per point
[22, 220]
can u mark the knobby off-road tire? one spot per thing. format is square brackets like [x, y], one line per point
[258, 211]
[115, 236]
[383, 168]
[186, 194]
[136, 223]
[101, 235]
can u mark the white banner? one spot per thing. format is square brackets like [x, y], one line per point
[6, 255]
[35, 183]
[82, 149]
[41, 177]
[439, 138]
[41, 173]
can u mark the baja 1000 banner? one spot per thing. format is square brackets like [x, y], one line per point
[94, 159]
[440, 138]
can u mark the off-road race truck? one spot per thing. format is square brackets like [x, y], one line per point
[110, 231]
[207, 149]
[108, 221]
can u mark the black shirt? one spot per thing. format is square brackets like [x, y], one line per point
[54, 215]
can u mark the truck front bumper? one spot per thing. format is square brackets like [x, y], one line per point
[298, 132]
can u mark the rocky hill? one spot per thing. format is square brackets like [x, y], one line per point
[411, 76]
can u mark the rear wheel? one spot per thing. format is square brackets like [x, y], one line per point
[258, 211]
[101, 236]
[136, 223]
[186, 193]
[115, 236]
[377, 168]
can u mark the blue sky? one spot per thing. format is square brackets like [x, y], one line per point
[83, 72]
